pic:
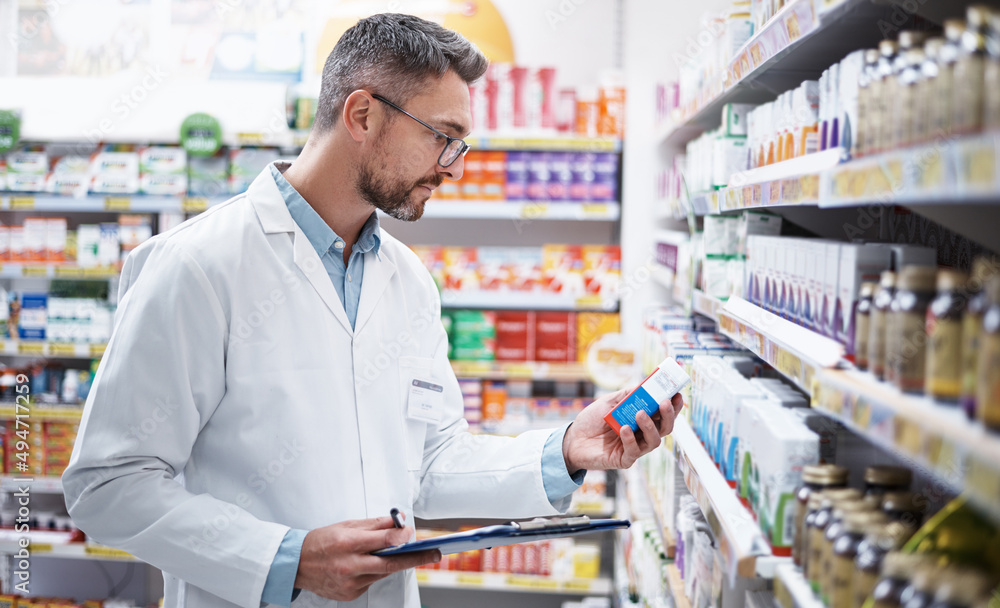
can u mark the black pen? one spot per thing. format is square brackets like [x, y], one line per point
[397, 519]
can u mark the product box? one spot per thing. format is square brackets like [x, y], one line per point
[460, 268]
[245, 164]
[515, 336]
[68, 184]
[432, 257]
[163, 160]
[734, 119]
[4, 250]
[17, 250]
[524, 268]
[715, 276]
[538, 176]
[590, 326]
[516, 184]
[109, 245]
[494, 399]
[115, 163]
[562, 269]
[472, 177]
[88, 242]
[26, 182]
[208, 176]
[133, 230]
[831, 276]
[35, 238]
[720, 235]
[779, 446]
[729, 156]
[491, 268]
[601, 270]
[164, 184]
[494, 181]
[858, 263]
[666, 381]
[55, 239]
[814, 283]
[114, 183]
[33, 319]
[582, 176]
[752, 223]
[27, 161]
[560, 176]
[604, 188]
[555, 336]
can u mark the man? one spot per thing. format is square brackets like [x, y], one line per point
[258, 411]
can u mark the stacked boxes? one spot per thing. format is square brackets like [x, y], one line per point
[27, 170]
[114, 172]
[558, 337]
[473, 335]
[163, 170]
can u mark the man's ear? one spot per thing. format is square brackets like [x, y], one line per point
[359, 116]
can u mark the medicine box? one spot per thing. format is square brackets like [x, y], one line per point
[659, 387]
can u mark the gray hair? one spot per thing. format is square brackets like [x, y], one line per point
[392, 54]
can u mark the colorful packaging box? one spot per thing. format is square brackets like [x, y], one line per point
[555, 336]
[666, 381]
[515, 335]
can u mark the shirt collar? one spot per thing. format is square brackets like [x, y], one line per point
[318, 232]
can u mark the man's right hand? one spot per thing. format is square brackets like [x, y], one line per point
[336, 561]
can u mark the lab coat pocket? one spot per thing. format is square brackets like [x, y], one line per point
[414, 427]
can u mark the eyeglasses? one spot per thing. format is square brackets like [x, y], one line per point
[452, 150]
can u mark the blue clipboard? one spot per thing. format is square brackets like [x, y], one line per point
[507, 534]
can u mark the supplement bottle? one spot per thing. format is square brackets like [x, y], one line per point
[819, 523]
[862, 324]
[815, 477]
[914, 293]
[988, 384]
[944, 337]
[905, 70]
[991, 75]
[898, 569]
[961, 588]
[871, 555]
[883, 478]
[862, 145]
[841, 510]
[923, 586]
[972, 329]
[881, 91]
[845, 551]
[922, 124]
[967, 94]
[905, 507]
[940, 118]
[879, 315]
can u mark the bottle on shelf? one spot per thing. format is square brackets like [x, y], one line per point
[905, 507]
[898, 571]
[909, 55]
[906, 355]
[881, 91]
[862, 324]
[815, 478]
[841, 511]
[991, 75]
[845, 550]
[988, 372]
[872, 551]
[817, 527]
[866, 103]
[923, 585]
[880, 479]
[921, 124]
[944, 337]
[967, 93]
[879, 316]
[940, 118]
[972, 328]
[962, 588]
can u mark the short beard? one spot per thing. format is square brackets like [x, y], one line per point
[394, 198]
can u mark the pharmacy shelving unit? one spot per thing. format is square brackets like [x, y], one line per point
[495, 581]
[580, 211]
[41, 348]
[792, 590]
[520, 370]
[88, 551]
[111, 203]
[514, 300]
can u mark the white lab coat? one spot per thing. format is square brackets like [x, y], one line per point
[234, 401]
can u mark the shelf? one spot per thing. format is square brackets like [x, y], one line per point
[126, 203]
[799, 42]
[90, 551]
[792, 590]
[545, 144]
[523, 210]
[42, 485]
[45, 270]
[43, 413]
[794, 182]
[793, 350]
[676, 585]
[960, 454]
[64, 350]
[508, 370]
[744, 550]
[666, 536]
[515, 300]
[496, 581]
[706, 305]
[960, 170]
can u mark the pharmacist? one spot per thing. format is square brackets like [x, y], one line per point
[270, 391]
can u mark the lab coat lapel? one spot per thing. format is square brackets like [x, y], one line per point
[274, 218]
[378, 272]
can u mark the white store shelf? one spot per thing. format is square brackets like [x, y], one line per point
[90, 551]
[515, 300]
[792, 590]
[793, 350]
[496, 581]
[111, 203]
[524, 211]
[37, 348]
[706, 305]
[506, 370]
[42, 485]
[745, 552]
[43, 270]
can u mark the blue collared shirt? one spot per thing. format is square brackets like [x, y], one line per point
[279, 586]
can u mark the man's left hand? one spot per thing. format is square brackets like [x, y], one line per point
[590, 443]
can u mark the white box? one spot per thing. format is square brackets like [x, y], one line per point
[858, 263]
[831, 274]
[109, 245]
[800, 281]
[55, 239]
[715, 276]
[35, 237]
[729, 157]
[162, 160]
[17, 249]
[4, 245]
[115, 163]
[165, 184]
[28, 162]
[88, 239]
[26, 182]
[814, 283]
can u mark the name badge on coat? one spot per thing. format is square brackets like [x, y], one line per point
[425, 402]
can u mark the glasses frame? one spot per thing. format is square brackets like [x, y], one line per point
[462, 151]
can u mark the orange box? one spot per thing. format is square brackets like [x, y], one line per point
[601, 269]
[611, 108]
[473, 176]
[562, 269]
[494, 401]
[494, 181]
[590, 326]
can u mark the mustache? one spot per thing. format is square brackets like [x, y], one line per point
[434, 181]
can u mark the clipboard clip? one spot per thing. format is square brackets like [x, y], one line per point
[551, 523]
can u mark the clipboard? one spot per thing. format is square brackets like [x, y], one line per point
[507, 534]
